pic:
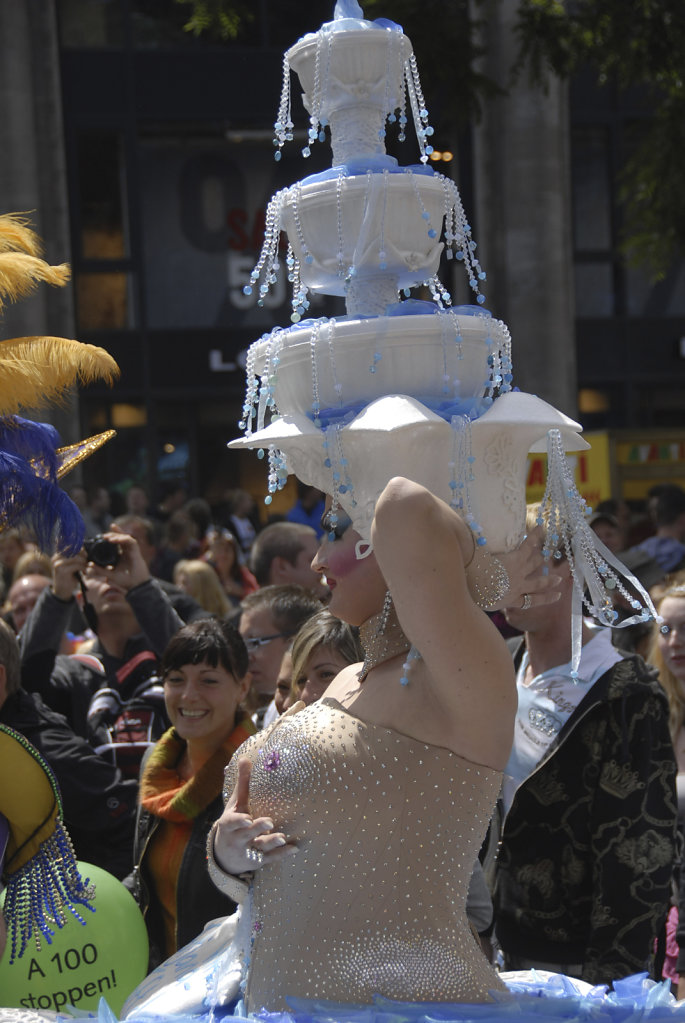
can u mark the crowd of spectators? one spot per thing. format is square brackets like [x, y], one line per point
[105, 665]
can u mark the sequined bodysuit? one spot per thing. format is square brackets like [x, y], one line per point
[388, 829]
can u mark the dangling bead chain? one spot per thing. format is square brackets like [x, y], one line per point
[382, 639]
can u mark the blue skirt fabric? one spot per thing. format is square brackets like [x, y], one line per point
[532, 997]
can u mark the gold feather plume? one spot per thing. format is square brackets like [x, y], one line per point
[38, 370]
[21, 273]
[21, 266]
[17, 235]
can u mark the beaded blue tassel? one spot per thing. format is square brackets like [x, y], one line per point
[42, 892]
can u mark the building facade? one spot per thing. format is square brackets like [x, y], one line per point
[147, 157]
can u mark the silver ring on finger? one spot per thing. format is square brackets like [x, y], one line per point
[255, 857]
[527, 602]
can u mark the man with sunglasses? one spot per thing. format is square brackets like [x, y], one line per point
[269, 619]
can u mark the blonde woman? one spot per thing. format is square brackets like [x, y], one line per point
[667, 655]
[321, 649]
[200, 581]
[32, 562]
[223, 554]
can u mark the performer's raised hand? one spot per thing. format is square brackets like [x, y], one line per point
[530, 582]
[241, 842]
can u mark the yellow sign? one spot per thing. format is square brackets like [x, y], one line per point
[656, 453]
[644, 461]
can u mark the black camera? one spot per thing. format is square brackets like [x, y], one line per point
[102, 552]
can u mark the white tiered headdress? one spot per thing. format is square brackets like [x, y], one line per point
[396, 386]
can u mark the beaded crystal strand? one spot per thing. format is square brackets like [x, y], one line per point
[278, 471]
[337, 386]
[418, 107]
[314, 134]
[341, 483]
[500, 375]
[506, 366]
[596, 572]
[313, 353]
[461, 473]
[439, 292]
[251, 392]
[459, 243]
[283, 128]
[267, 389]
[266, 266]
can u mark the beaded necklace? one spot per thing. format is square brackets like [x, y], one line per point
[382, 639]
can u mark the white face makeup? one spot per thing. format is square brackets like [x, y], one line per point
[356, 584]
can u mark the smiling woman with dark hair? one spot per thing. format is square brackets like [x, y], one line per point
[204, 670]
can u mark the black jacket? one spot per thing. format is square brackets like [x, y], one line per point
[197, 898]
[588, 846]
[112, 702]
[99, 805]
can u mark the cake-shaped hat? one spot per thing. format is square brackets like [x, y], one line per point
[399, 384]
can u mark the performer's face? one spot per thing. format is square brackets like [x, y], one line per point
[356, 584]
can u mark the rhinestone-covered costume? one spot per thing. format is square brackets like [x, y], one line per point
[388, 829]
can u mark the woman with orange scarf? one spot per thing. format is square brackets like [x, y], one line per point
[204, 670]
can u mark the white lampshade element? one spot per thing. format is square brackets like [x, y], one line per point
[516, 424]
[353, 80]
[397, 435]
[435, 357]
[372, 224]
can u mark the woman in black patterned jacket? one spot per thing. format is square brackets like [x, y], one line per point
[589, 840]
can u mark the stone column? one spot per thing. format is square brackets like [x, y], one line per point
[523, 216]
[33, 172]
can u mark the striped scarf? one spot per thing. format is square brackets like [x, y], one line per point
[164, 793]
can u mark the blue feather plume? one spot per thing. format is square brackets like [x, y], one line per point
[29, 493]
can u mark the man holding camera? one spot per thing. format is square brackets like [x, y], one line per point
[110, 695]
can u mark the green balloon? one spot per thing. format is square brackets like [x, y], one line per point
[106, 957]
